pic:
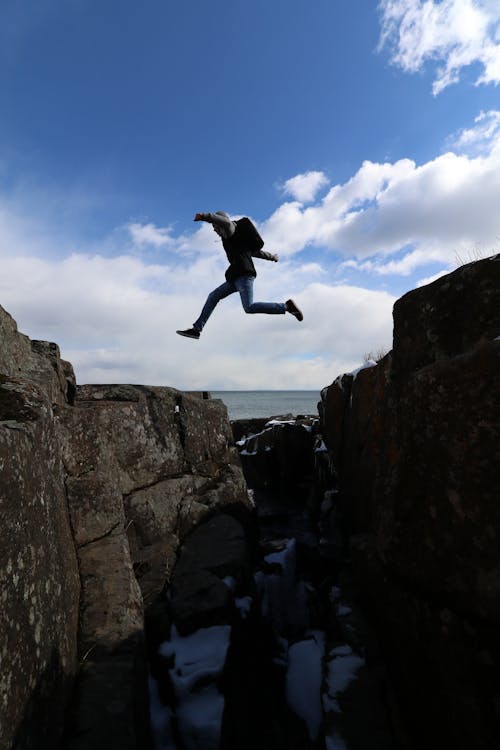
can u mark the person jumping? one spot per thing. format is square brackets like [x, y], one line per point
[241, 241]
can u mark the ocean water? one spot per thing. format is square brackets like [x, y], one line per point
[253, 404]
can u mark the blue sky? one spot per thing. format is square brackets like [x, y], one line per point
[363, 138]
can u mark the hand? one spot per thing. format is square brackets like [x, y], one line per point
[198, 217]
[275, 258]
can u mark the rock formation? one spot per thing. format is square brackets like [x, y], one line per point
[113, 496]
[99, 486]
[415, 440]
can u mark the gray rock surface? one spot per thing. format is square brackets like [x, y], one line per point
[214, 551]
[416, 441]
[99, 485]
[39, 579]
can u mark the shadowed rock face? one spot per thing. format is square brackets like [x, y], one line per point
[39, 580]
[416, 443]
[99, 485]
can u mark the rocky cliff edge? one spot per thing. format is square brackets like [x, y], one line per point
[99, 485]
[416, 442]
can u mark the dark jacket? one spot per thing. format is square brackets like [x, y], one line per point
[244, 244]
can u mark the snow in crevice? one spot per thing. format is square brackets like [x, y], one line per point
[283, 597]
[198, 660]
[335, 742]
[161, 719]
[244, 606]
[230, 582]
[304, 677]
[343, 668]
[328, 501]
[321, 447]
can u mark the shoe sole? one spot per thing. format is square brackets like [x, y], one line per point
[296, 312]
[187, 336]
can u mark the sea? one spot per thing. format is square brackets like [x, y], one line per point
[254, 404]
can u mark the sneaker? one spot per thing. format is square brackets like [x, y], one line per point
[190, 333]
[292, 308]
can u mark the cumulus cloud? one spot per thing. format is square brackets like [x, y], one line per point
[454, 33]
[115, 316]
[478, 139]
[115, 320]
[150, 234]
[114, 312]
[393, 218]
[305, 187]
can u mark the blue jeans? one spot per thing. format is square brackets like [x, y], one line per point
[243, 285]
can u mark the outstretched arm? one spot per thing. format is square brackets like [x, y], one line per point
[265, 256]
[224, 222]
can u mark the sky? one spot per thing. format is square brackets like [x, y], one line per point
[361, 137]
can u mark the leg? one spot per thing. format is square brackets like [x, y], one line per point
[224, 290]
[244, 284]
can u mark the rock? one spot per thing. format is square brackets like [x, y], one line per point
[448, 317]
[199, 599]
[279, 459]
[243, 428]
[110, 714]
[219, 546]
[416, 443]
[39, 577]
[215, 550]
[99, 485]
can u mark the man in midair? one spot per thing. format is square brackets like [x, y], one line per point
[241, 242]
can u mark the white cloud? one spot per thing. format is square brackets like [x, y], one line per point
[478, 139]
[419, 213]
[430, 279]
[454, 33]
[150, 234]
[115, 319]
[114, 313]
[305, 187]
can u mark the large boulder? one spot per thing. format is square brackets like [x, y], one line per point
[416, 443]
[99, 486]
[278, 458]
[145, 465]
[38, 569]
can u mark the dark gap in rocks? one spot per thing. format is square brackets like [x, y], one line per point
[293, 666]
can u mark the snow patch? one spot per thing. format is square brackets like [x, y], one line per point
[243, 605]
[283, 598]
[161, 717]
[230, 582]
[338, 381]
[366, 366]
[199, 659]
[343, 669]
[343, 610]
[335, 742]
[303, 681]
